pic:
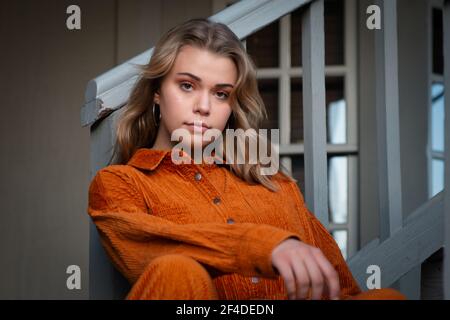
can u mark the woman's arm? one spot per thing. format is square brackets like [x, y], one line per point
[132, 237]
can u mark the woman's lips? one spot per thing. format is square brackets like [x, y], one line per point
[197, 127]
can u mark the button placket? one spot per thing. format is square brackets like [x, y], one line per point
[200, 181]
[198, 177]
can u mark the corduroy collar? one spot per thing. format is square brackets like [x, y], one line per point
[149, 159]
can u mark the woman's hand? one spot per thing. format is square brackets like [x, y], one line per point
[303, 267]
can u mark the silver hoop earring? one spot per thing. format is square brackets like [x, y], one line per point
[154, 116]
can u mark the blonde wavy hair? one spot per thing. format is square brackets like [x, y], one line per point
[138, 125]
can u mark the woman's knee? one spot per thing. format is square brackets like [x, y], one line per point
[174, 276]
[179, 261]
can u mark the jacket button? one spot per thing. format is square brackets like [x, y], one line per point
[198, 176]
[230, 221]
[216, 200]
[255, 279]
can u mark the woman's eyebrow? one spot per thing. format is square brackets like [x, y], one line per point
[221, 85]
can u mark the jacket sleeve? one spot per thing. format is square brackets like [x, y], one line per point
[132, 237]
[326, 243]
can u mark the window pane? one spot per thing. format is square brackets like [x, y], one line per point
[338, 189]
[341, 238]
[437, 117]
[268, 88]
[298, 171]
[334, 33]
[437, 176]
[337, 185]
[335, 110]
[296, 37]
[262, 46]
[296, 110]
[438, 51]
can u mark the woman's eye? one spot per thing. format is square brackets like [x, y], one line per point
[222, 95]
[186, 86]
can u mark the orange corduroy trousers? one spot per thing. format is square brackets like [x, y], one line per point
[178, 277]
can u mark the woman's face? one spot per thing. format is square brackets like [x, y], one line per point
[196, 89]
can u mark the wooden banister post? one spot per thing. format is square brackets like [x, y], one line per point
[388, 137]
[314, 120]
[387, 111]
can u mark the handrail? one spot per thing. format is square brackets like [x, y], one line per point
[421, 235]
[110, 90]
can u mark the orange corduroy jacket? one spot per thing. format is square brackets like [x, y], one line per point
[152, 207]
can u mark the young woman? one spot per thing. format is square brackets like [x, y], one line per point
[221, 230]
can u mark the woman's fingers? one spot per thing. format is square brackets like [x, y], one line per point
[304, 267]
[316, 276]
[287, 274]
[330, 274]
[302, 278]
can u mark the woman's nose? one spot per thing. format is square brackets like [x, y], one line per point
[203, 104]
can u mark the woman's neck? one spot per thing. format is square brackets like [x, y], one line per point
[162, 141]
